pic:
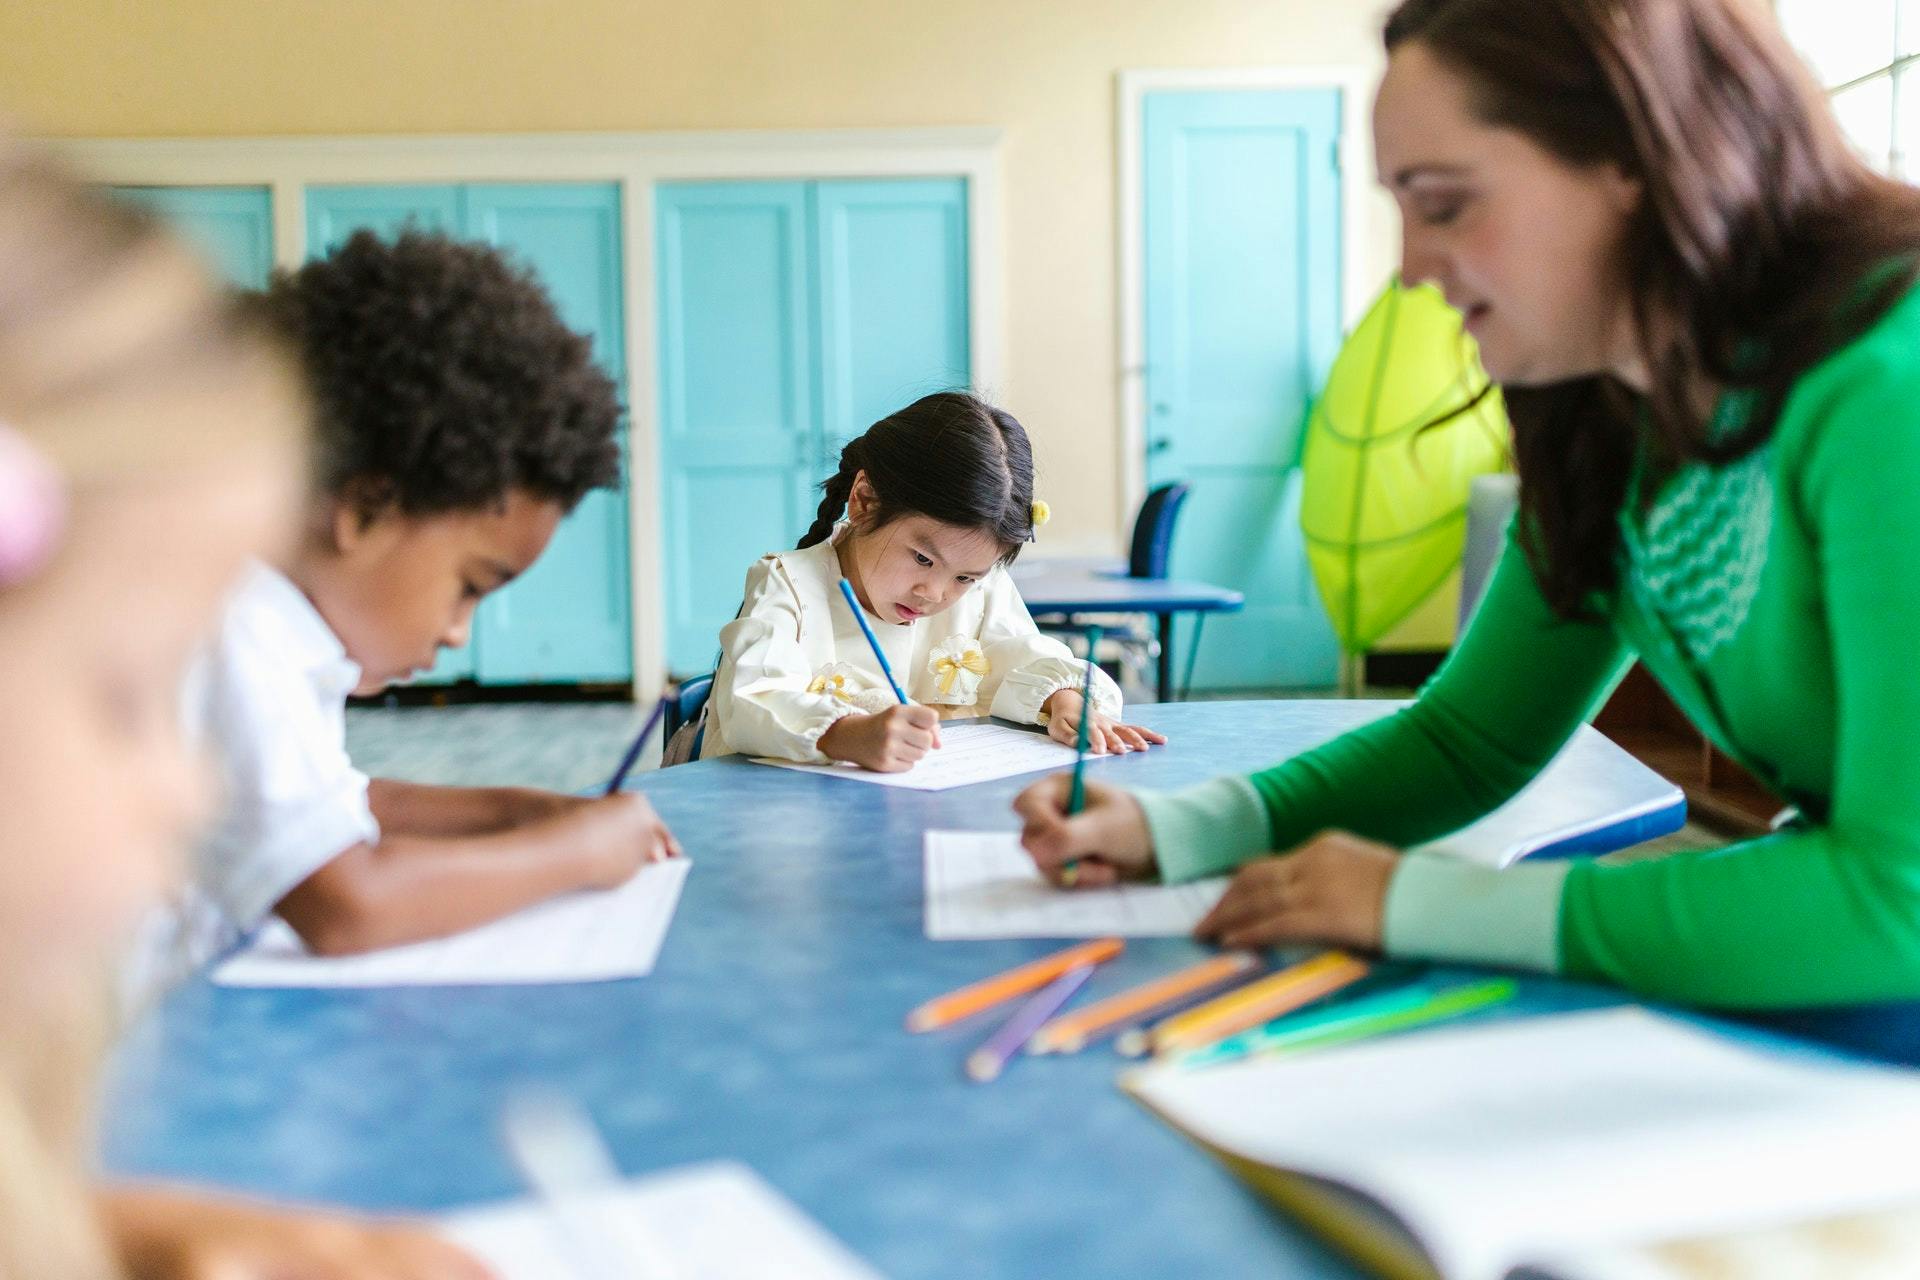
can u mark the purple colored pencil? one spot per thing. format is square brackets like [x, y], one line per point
[639, 741]
[990, 1059]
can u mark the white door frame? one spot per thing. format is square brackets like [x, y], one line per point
[1131, 91]
[635, 161]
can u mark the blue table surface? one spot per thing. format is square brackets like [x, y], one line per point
[770, 1032]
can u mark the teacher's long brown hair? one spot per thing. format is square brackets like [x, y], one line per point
[1759, 246]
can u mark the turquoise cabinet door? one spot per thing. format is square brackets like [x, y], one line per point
[233, 226]
[333, 215]
[793, 315]
[892, 257]
[567, 619]
[1242, 245]
[739, 435]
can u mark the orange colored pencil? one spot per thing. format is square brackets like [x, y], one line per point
[988, 992]
[1071, 1032]
[1253, 1004]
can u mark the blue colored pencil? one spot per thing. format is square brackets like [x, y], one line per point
[860, 616]
[639, 743]
[990, 1059]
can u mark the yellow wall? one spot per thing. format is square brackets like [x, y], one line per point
[1043, 70]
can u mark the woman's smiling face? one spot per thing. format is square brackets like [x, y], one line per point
[1524, 245]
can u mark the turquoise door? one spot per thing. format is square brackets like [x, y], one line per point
[233, 226]
[1241, 222]
[792, 315]
[567, 620]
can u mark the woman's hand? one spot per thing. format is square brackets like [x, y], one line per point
[1332, 889]
[1106, 842]
[1104, 734]
[174, 1235]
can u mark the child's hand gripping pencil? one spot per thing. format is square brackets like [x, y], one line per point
[891, 741]
[1077, 798]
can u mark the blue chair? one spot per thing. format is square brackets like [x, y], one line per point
[1148, 553]
[689, 700]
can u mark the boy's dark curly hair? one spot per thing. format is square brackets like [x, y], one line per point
[443, 377]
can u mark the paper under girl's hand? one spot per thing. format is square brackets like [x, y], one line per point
[169, 1235]
[1331, 889]
[1105, 736]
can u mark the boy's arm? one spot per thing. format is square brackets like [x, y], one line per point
[408, 888]
[423, 809]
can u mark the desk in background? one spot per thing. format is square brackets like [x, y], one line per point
[1101, 585]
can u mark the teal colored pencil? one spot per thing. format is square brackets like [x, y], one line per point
[1077, 798]
[1357, 1020]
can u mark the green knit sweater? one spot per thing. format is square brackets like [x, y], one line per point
[1778, 601]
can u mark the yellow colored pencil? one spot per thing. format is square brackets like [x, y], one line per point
[1072, 1032]
[1249, 1006]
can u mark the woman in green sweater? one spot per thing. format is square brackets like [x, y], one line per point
[1701, 306]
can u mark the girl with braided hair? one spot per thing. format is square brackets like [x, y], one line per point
[928, 508]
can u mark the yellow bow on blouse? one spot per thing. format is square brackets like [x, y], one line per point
[948, 667]
[835, 684]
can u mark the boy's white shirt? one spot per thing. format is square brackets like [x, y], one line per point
[267, 701]
[795, 660]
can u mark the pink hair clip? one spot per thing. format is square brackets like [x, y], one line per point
[33, 507]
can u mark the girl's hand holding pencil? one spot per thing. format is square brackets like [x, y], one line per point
[890, 741]
[1105, 842]
[1105, 736]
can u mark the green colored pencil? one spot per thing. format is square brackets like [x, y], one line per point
[1077, 796]
[1357, 1020]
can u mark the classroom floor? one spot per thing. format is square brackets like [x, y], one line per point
[573, 746]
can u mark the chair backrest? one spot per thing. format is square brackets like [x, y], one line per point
[685, 707]
[1153, 531]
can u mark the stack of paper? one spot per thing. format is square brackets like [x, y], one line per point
[708, 1222]
[583, 937]
[1518, 1144]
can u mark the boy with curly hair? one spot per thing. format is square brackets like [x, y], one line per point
[458, 420]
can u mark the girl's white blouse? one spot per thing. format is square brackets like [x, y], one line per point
[795, 661]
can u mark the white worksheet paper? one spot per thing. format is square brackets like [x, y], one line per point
[583, 937]
[982, 884]
[968, 753]
[717, 1221]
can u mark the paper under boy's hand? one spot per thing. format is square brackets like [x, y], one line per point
[1107, 841]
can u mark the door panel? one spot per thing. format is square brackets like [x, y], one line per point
[1242, 227]
[568, 618]
[739, 436]
[233, 226]
[892, 260]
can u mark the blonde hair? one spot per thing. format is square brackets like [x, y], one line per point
[119, 356]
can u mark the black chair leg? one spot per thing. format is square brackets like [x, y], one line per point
[1193, 655]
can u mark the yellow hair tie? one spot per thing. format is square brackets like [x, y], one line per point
[1039, 513]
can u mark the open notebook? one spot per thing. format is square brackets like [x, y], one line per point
[1561, 1145]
